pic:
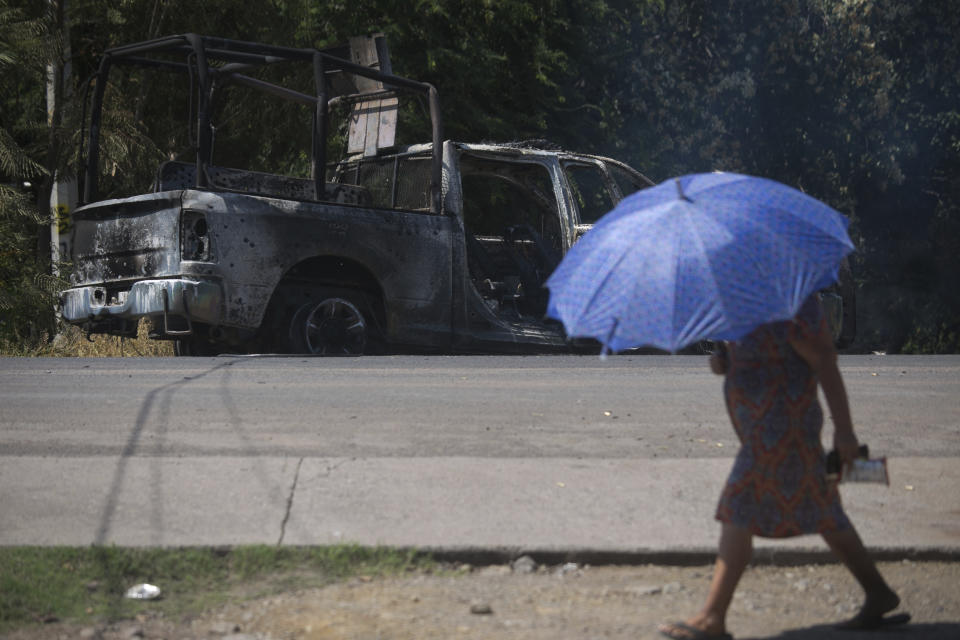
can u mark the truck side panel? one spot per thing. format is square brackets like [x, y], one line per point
[256, 241]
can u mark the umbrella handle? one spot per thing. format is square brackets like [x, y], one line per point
[720, 358]
[605, 350]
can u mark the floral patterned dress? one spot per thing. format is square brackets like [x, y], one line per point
[778, 486]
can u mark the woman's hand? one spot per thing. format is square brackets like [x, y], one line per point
[846, 445]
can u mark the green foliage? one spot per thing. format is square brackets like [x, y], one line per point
[855, 102]
[26, 303]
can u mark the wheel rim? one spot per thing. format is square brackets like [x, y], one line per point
[335, 327]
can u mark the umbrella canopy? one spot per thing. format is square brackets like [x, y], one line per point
[704, 256]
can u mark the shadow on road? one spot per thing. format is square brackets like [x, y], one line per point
[165, 393]
[925, 631]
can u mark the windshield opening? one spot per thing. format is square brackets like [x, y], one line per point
[590, 191]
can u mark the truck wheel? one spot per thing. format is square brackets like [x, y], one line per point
[335, 326]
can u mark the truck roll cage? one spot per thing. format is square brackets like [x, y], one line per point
[213, 61]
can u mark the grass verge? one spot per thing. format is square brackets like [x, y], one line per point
[86, 584]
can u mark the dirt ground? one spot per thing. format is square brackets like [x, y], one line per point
[526, 602]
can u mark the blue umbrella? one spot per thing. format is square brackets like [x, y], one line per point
[704, 256]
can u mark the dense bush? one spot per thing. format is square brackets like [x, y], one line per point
[855, 102]
[26, 285]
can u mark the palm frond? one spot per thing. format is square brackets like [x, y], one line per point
[22, 39]
[49, 284]
[14, 161]
[16, 205]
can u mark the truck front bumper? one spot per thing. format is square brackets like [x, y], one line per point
[191, 300]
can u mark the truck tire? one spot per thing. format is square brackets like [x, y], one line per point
[332, 326]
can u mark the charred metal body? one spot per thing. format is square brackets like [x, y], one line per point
[387, 247]
[421, 247]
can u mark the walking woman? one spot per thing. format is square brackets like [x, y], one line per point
[778, 486]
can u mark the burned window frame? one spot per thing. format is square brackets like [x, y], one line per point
[612, 185]
[610, 190]
[547, 200]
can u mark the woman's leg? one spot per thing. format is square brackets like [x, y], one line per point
[880, 598]
[736, 548]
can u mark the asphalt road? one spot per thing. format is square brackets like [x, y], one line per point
[549, 452]
[430, 406]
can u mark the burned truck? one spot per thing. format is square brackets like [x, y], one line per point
[368, 245]
[338, 237]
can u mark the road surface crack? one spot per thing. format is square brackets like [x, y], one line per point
[293, 489]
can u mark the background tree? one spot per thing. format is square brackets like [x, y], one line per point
[914, 231]
[856, 102]
[26, 306]
[853, 102]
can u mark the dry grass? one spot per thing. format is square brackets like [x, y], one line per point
[73, 342]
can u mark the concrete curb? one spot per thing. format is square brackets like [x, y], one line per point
[676, 557]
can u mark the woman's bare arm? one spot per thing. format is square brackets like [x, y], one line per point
[818, 352]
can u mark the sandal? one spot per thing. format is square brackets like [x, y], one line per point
[683, 631]
[858, 623]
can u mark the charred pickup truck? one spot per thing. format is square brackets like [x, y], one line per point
[438, 246]
[352, 242]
